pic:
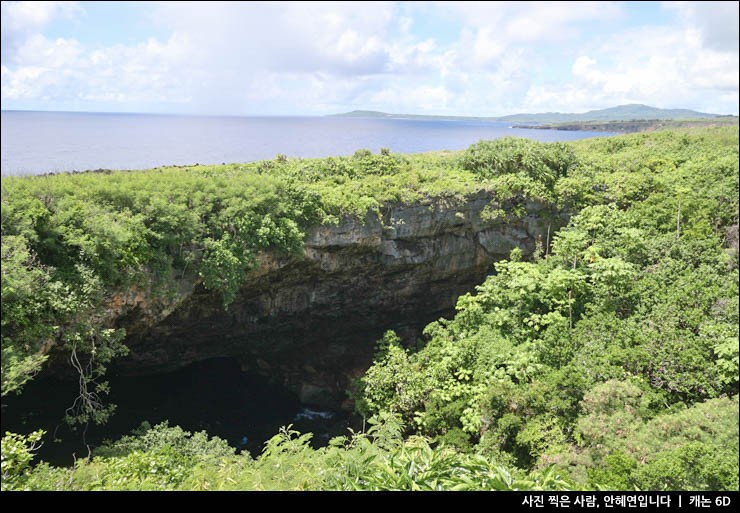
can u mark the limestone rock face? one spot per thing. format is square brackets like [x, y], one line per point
[311, 322]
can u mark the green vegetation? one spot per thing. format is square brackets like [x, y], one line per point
[609, 361]
[637, 125]
[68, 240]
[615, 357]
[170, 458]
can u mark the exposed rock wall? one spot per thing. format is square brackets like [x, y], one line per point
[311, 323]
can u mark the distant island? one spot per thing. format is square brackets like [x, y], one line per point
[378, 114]
[623, 118]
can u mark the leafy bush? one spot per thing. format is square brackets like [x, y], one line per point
[540, 162]
[17, 453]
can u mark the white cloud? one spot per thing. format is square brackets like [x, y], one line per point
[341, 38]
[717, 22]
[557, 21]
[23, 19]
[20, 17]
[282, 58]
[61, 69]
[487, 48]
[518, 22]
[583, 67]
[39, 51]
[665, 66]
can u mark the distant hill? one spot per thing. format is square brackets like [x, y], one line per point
[364, 114]
[629, 112]
[620, 113]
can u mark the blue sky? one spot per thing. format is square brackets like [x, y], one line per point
[305, 58]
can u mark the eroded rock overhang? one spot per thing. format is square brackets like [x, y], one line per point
[311, 322]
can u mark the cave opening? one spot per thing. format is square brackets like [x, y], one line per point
[213, 395]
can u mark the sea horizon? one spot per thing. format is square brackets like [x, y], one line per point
[41, 142]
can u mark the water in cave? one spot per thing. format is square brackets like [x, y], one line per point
[212, 395]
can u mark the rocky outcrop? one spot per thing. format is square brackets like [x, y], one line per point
[311, 323]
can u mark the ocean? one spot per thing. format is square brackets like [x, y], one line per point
[50, 142]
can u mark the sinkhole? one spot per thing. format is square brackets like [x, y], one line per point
[214, 395]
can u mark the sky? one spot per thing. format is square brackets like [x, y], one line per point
[305, 58]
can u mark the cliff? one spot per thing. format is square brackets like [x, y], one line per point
[311, 322]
